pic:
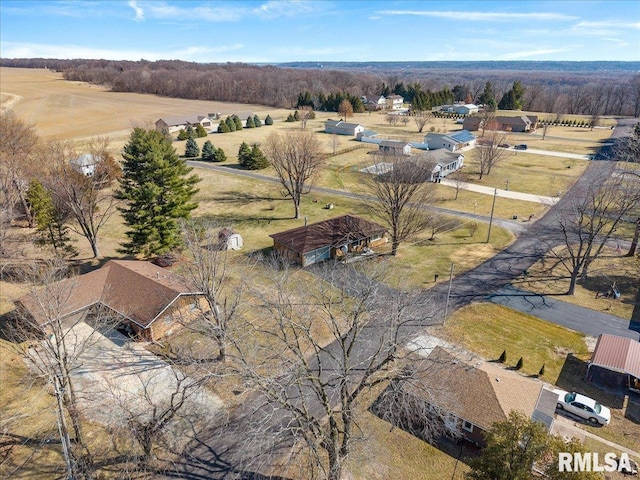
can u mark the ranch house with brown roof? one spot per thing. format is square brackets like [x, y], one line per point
[471, 396]
[147, 299]
[333, 238]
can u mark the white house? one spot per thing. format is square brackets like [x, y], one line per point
[466, 109]
[395, 102]
[175, 124]
[445, 163]
[85, 164]
[342, 128]
[451, 141]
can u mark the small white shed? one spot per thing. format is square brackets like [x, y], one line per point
[228, 240]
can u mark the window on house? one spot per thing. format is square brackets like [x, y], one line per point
[468, 426]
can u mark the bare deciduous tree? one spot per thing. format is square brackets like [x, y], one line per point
[88, 198]
[591, 220]
[209, 268]
[18, 163]
[296, 158]
[422, 119]
[332, 340]
[52, 339]
[489, 152]
[401, 196]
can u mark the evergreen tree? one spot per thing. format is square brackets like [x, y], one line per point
[208, 151]
[268, 120]
[200, 131]
[256, 121]
[191, 149]
[290, 118]
[231, 124]
[182, 134]
[190, 131]
[257, 160]
[488, 97]
[244, 155]
[223, 127]
[51, 228]
[157, 189]
[518, 91]
[250, 123]
[220, 155]
[508, 101]
[237, 122]
[296, 115]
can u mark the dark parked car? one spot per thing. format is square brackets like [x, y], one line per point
[504, 145]
[522, 146]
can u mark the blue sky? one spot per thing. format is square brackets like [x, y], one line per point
[321, 30]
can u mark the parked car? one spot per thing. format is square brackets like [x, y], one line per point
[583, 407]
[504, 145]
[522, 146]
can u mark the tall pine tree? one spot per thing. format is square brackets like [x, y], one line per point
[191, 149]
[157, 190]
[208, 151]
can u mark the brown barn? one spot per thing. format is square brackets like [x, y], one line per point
[148, 299]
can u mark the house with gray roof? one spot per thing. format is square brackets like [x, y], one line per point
[177, 123]
[450, 141]
[343, 128]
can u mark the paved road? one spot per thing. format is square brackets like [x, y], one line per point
[227, 450]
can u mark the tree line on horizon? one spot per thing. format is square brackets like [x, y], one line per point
[591, 93]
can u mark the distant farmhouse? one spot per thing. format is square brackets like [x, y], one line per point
[450, 141]
[520, 124]
[394, 102]
[175, 124]
[85, 164]
[332, 238]
[343, 128]
[460, 109]
[374, 102]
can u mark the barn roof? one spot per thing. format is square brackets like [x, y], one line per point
[620, 354]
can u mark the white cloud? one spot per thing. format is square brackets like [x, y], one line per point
[139, 11]
[480, 16]
[605, 24]
[191, 53]
[541, 52]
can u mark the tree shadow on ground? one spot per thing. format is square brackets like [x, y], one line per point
[239, 220]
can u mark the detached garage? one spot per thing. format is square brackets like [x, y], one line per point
[619, 355]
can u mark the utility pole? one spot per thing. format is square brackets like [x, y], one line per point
[446, 306]
[493, 205]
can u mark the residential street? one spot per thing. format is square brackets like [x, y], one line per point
[226, 450]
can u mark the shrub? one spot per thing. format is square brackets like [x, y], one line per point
[250, 123]
[268, 120]
[503, 357]
[208, 152]
[183, 135]
[200, 131]
[256, 121]
[519, 364]
[220, 155]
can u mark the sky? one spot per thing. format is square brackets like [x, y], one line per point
[321, 30]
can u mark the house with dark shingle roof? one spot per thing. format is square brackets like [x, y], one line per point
[148, 299]
[332, 238]
[471, 396]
